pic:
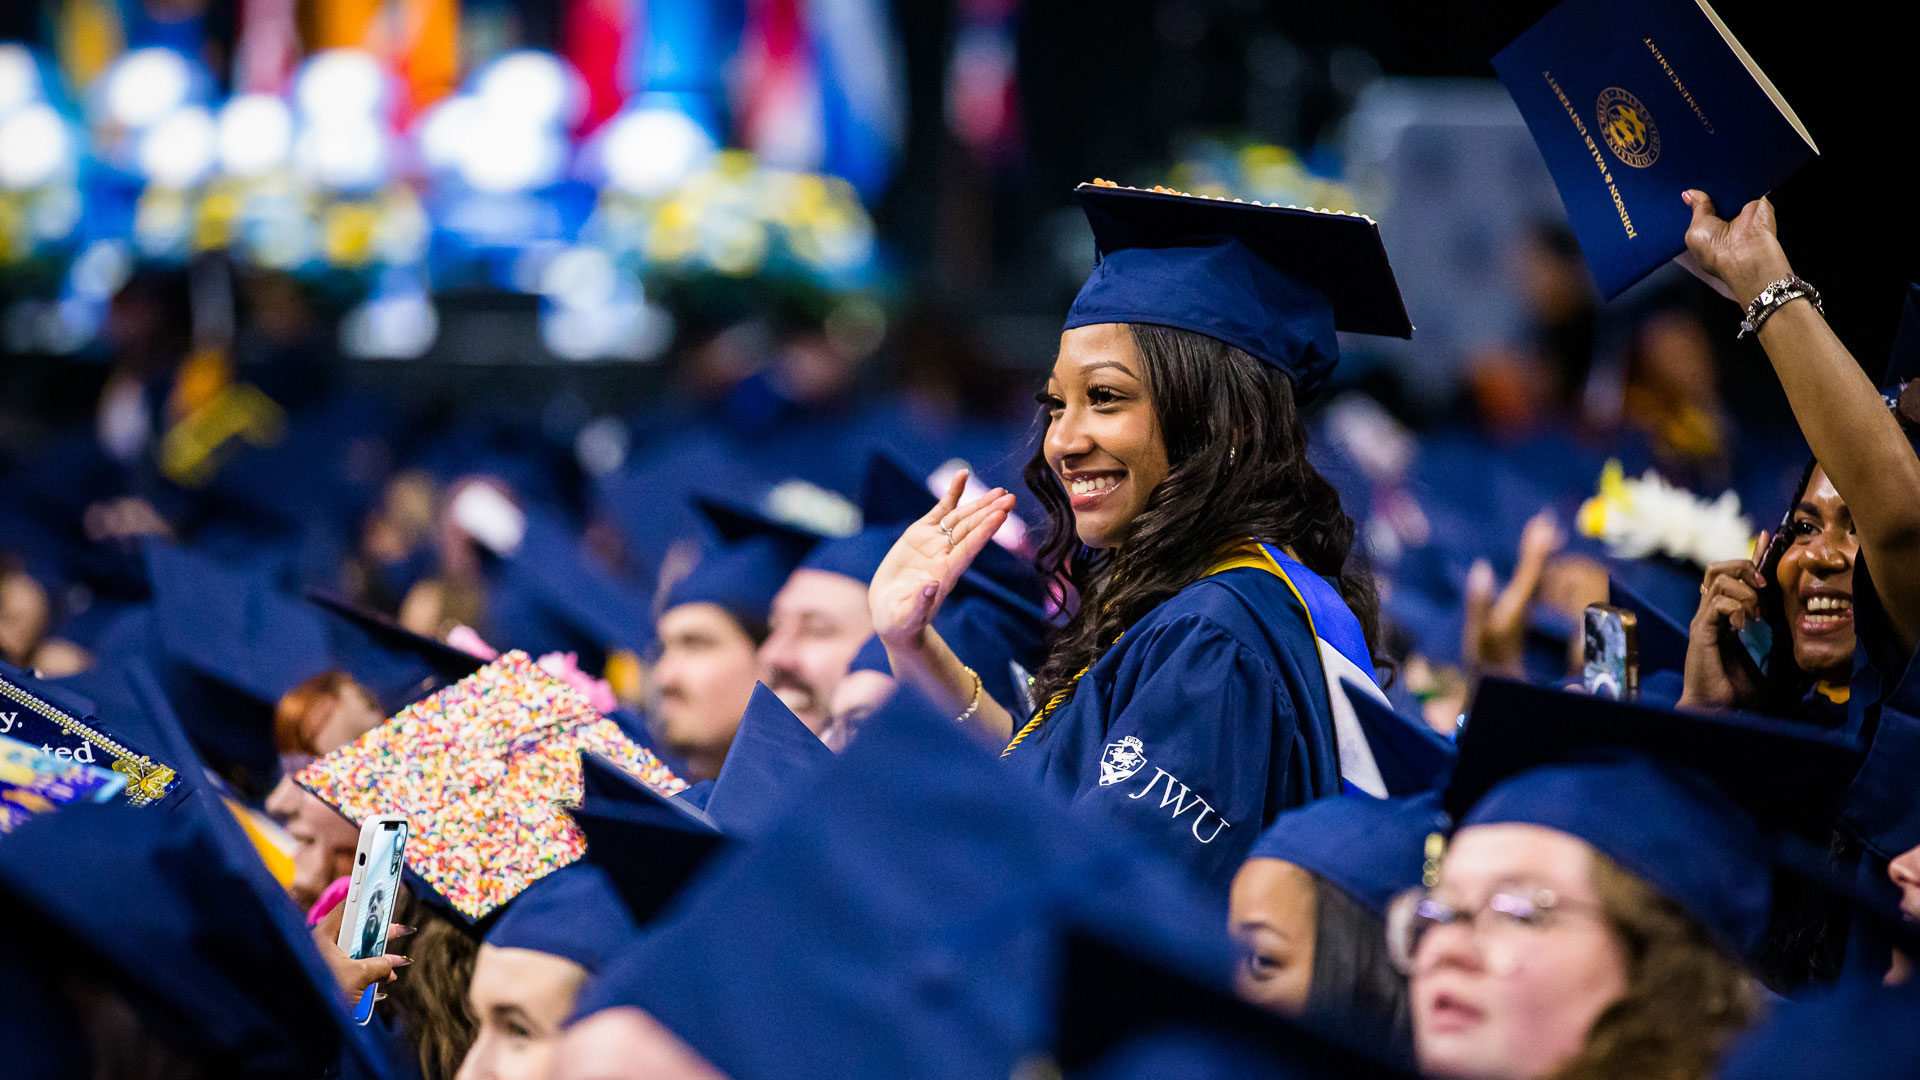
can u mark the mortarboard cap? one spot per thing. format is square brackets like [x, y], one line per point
[214, 963]
[481, 771]
[1681, 800]
[857, 556]
[55, 717]
[606, 788]
[227, 646]
[744, 574]
[1123, 1016]
[206, 949]
[1371, 849]
[573, 913]
[773, 753]
[1272, 281]
[554, 596]
[649, 846]
[915, 898]
[399, 666]
[1411, 756]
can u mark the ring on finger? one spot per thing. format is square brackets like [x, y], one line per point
[947, 529]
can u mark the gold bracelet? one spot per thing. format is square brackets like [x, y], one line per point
[974, 705]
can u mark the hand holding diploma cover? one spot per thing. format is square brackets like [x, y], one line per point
[1634, 101]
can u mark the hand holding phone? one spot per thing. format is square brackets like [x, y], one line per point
[367, 913]
[1612, 663]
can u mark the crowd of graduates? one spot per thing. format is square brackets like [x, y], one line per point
[1205, 721]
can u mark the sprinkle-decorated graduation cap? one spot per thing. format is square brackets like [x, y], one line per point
[574, 913]
[1682, 800]
[399, 666]
[917, 899]
[1122, 1015]
[172, 912]
[773, 754]
[231, 645]
[482, 771]
[756, 555]
[1272, 281]
[1371, 849]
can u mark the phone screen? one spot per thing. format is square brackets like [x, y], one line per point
[1610, 669]
[378, 890]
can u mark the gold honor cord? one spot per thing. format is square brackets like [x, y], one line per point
[147, 780]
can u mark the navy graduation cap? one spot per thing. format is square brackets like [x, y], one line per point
[1272, 281]
[397, 665]
[915, 899]
[204, 946]
[229, 646]
[649, 846]
[555, 597]
[1371, 849]
[574, 913]
[742, 576]
[1121, 1015]
[1682, 800]
[773, 753]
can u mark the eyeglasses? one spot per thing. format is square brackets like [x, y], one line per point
[1501, 924]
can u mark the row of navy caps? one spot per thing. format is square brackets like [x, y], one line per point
[226, 642]
[908, 890]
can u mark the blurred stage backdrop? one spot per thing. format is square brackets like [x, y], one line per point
[454, 197]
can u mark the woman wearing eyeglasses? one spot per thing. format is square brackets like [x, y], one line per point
[1587, 921]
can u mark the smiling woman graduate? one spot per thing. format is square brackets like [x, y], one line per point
[1196, 690]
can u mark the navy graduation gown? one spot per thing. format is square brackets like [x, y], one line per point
[1206, 719]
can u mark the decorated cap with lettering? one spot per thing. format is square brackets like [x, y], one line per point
[484, 771]
[1272, 281]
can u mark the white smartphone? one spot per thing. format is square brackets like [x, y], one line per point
[368, 911]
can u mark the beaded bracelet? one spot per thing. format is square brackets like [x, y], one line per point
[974, 705]
[1774, 297]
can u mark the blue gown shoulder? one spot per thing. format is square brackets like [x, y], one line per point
[1206, 719]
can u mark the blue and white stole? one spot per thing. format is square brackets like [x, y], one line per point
[1344, 659]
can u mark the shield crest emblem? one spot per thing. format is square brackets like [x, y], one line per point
[1121, 760]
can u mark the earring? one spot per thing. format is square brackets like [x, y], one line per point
[1231, 452]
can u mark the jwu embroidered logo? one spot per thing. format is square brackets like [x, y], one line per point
[1121, 760]
[1628, 128]
[1180, 798]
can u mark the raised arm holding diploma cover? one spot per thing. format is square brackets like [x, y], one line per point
[1634, 101]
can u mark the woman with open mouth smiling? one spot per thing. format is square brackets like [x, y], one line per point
[1801, 586]
[1216, 605]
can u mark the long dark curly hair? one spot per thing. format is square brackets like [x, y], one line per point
[1237, 468]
